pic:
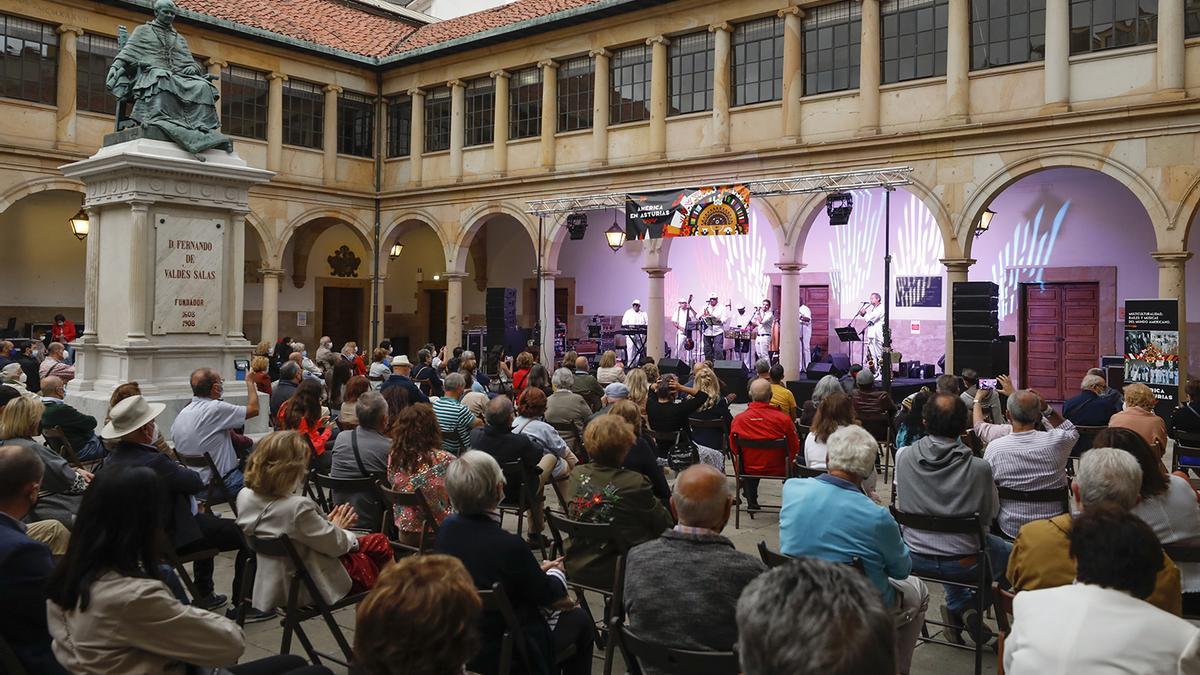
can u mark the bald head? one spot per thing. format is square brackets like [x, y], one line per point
[702, 497]
[581, 363]
[760, 391]
[203, 381]
[53, 386]
[20, 477]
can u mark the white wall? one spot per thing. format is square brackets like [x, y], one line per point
[43, 262]
[448, 9]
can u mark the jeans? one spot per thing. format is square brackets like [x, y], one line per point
[222, 534]
[966, 570]
[93, 449]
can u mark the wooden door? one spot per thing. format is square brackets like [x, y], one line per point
[342, 315]
[437, 316]
[1060, 327]
[817, 299]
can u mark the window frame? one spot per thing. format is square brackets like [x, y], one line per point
[894, 21]
[986, 44]
[479, 102]
[702, 60]
[356, 124]
[437, 127]
[29, 76]
[830, 20]
[1145, 28]
[751, 61]
[399, 116]
[233, 77]
[631, 67]
[309, 101]
[525, 103]
[91, 72]
[576, 94]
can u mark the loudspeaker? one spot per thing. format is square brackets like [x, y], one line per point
[987, 358]
[841, 362]
[927, 371]
[964, 331]
[975, 303]
[674, 367]
[818, 370]
[904, 369]
[986, 289]
[732, 375]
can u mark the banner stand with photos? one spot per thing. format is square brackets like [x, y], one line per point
[1152, 348]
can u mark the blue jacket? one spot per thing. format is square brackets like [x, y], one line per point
[415, 395]
[182, 483]
[829, 518]
[25, 566]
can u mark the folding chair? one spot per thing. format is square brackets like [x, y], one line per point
[737, 445]
[1059, 495]
[495, 600]
[573, 437]
[965, 525]
[339, 488]
[56, 440]
[177, 562]
[806, 472]
[1185, 456]
[294, 615]
[413, 500]
[525, 482]
[664, 439]
[313, 490]
[885, 435]
[636, 651]
[1003, 603]
[216, 490]
[722, 428]
[1184, 553]
[772, 558]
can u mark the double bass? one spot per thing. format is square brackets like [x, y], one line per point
[688, 343]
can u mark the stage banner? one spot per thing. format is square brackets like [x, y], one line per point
[1152, 348]
[688, 212]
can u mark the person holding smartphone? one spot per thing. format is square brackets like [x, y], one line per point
[993, 411]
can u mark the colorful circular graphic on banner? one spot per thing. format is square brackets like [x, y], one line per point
[724, 212]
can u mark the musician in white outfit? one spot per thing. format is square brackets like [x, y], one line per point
[679, 320]
[765, 321]
[634, 316]
[872, 312]
[713, 319]
[805, 336]
[743, 349]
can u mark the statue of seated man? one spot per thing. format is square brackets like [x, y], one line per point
[155, 69]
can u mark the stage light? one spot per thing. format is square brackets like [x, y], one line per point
[394, 252]
[437, 277]
[839, 205]
[80, 225]
[985, 221]
[616, 237]
[577, 225]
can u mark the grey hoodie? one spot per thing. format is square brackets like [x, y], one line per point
[938, 476]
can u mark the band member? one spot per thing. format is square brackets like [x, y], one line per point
[713, 317]
[764, 322]
[679, 320]
[872, 312]
[805, 336]
[634, 316]
[742, 322]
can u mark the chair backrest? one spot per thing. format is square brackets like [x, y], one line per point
[603, 533]
[942, 524]
[496, 600]
[1183, 451]
[367, 484]
[217, 492]
[56, 440]
[772, 558]
[9, 663]
[639, 653]
[282, 547]
[718, 425]
[737, 445]
[522, 477]
[1186, 553]
[1059, 496]
[808, 472]
[413, 500]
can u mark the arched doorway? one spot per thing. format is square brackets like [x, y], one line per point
[499, 291]
[45, 264]
[413, 258]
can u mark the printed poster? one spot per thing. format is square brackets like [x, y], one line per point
[1152, 347]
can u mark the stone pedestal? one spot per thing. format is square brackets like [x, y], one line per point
[165, 272]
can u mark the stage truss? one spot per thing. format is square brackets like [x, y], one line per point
[888, 178]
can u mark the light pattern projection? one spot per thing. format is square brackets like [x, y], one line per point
[852, 249]
[1025, 256]
[917, 252]
[735, 267]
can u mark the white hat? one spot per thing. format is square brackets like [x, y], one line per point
[712, 295]
[742, 306]
[128, 416]
[401, 360]
[11, 369]
[636, 302]
[683, 300]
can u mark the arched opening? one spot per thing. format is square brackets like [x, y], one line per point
[256, 258]
[497, 253]
[414, 293]
[45, 264]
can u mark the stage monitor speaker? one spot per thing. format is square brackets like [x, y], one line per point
[674, 367]
[732, 375]
[926, 371]
[985, 289]
[818, 370]
[841, 362]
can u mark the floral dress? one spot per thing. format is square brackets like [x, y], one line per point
[430, 479]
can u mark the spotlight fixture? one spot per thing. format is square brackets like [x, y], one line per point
[394, 252]
[985, 221]
[80, 225]
[839, 205]
[577, 225]
[616, 237]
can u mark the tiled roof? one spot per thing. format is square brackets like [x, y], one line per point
[470, 24]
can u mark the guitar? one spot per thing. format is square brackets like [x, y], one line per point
[688, 344]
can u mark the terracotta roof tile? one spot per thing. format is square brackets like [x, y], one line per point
[478, 22]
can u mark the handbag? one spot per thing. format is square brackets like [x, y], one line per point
[683, 452]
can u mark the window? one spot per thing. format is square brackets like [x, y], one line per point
[576, 86]
[1191, 18]
[244, 102]
[356, 124]
[30, 60]
[525, 103]
[690, 72]
[832, 36]
[481, 110]
[1004, 33]
[1097, 25]
[303, 114]
[399, 126]
[758, 61]
[914, 39]
[630, 75]
[94, 57]
[437, 119]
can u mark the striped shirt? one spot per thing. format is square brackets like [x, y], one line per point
[456, 422]
[1027, 461]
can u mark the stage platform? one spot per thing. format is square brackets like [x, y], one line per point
[901, 387]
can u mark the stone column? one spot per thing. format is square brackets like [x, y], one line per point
[956, 270]
[329, 133]
[454, 309]
[549, 112]
[214, 67]
[86, 364]
[600, 93]
[458, 127]
[235, 295]
[1172, 283]
[500, 128]
[958, 63]
[68, 68]
[787, 314]
[721, 93]
[275, 120]
[1170, 49]
[139, 264]
[656, 311]
[416, 141]
[869, 69]
[1058, 53]
[380, 306]
[793, 75]
[547, 318]
[659, 87]
[270, 303]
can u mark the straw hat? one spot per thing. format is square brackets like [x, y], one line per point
[128, 416]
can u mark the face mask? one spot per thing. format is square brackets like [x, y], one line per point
[23, 378]
[306, 355]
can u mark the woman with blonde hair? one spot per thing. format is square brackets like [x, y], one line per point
[608, 371]
[1138, 416]
[639, 387]
[259, 373]
[716, 408]
[651, 371]
[62, 486]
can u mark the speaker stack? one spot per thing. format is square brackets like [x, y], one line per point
[501, 312]
[734, 379]
[817, 370]
[674, 367]
[975, 315]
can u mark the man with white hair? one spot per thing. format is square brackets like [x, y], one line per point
[1089, 407]
[1041, 556]
[565, 407]
[324, 349]
[829, 517]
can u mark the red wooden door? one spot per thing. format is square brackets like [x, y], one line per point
[817, 299]
[1061, 337]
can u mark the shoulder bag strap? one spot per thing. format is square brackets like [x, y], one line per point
[357, 457]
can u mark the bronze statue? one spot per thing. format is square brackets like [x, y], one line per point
[155, 70]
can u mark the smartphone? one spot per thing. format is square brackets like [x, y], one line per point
[987, 383]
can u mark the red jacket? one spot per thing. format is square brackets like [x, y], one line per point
[64, 333]
[761, 422]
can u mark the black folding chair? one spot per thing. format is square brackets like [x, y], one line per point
[719, 426]
[56, 440]
[1059, 495]
[217, 492]
[177, 562]
[1189, 451]
[522, 494]
[338, 489]
[775, 559]
[513, 641]
[885, 435]
[637, 652]
[313, 490]
[1184, 552]
[968, 525]
[413, 500]
[738, 445]
[807, 472]
[573, 437]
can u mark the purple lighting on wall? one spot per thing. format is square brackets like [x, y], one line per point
[1025, 256]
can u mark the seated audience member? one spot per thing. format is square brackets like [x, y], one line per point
[425, 376]
[61, 486]
[666, 415]
[617, 391]
[1040, 556]
[539, 377]
[530, 409]
[473, 399]
[910, 426]
[1088, 408]
[285, 388]
[874, 406]
[835, 412]
[1186, 418]
[30, 365]
[1139, 416]
[781, 397]
[829, 517]
[939, 476]
[25, 563]
[417, 463]
[300, 355]
[497, 439]
[362, 452]
[825, 386]
[55, 365]
[336, 378]
[522, 364]
[638, 386]
[1101, 623]
[992, 410]
[452, 365]
[493, 555]
[110, 610]
[470, 370]
[454, 419]
[948, 384]
[12, 377]
[269, 507]
[347, 415]
[716, 408]
[565, 407]
[603, 492]
[304, 413]
[259, 365]
[762, 422]
[584, 383]
[204, 425]
[401, 369]
[397, 400]
[434, 599]
[80, 429]
[607, 371]
[1028, 459]
[812, 617]
[380, 368]
[642, 456]
[1112, 394]
[662, 604]
[124, 391]
[350, 355]
[849, 381]
[652, 373]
